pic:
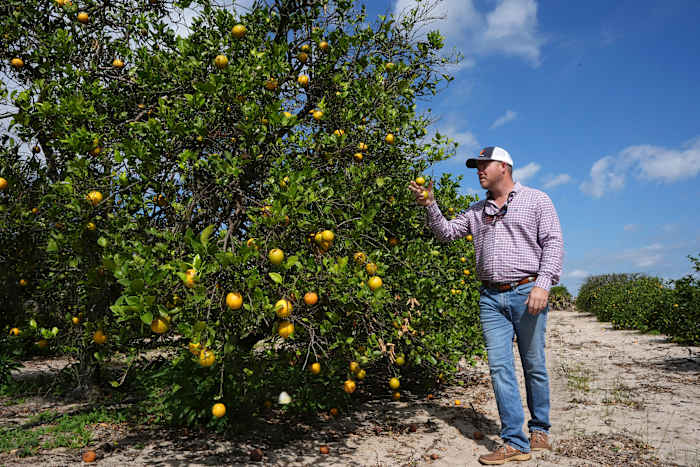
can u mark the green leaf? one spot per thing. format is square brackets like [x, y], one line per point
[147, 318]
[276, 277]
[102, 242]
[206, 233]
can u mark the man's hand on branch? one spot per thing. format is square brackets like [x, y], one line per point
[424, 195]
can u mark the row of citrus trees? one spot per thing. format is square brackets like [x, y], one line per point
[633, 301]
[237, 196]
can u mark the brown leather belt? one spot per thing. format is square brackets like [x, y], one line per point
[503, 287]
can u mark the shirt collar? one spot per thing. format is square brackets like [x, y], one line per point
[516, 188]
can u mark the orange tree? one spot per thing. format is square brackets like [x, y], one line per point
[149, 176]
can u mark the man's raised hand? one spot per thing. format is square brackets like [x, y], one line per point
[424, 195]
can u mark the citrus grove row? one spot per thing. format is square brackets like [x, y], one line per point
[224, 209]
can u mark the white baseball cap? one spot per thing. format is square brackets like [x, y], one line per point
[491, 153]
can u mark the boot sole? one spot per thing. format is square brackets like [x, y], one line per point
[518, 458]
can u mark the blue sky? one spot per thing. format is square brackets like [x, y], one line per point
[598, 103]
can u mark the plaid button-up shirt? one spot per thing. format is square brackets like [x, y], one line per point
[526, 241]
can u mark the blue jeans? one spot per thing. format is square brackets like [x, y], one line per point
[502, 315]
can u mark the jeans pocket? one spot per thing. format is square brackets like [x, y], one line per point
[525, 288]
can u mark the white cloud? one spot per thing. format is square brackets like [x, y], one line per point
[643, 257]
[645, 162]
[604, 177]
[522, 175]
[505, 118]
[465, 190]
[556, 180]
[468, 143]
[576, 274]
[631, 227]
[510, 28]
[670, 228]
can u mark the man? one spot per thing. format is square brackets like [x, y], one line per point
[519, 251]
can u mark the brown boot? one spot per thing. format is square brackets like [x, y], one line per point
[539, 441]
[504, 454]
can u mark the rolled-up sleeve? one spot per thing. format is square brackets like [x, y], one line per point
[551, 241]
[444, 230]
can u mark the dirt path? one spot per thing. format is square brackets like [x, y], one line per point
[618, 398]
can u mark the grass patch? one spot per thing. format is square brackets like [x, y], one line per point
[623, 395]
[49, 430]
[578, 378]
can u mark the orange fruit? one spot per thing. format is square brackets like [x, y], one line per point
[361, 375]
[276, 256]
[327, 236]
[360, 257]
[117, 63]
[285, 329]
[15, 332]
[470, 238]
[349, 386]
[394, 383]
[334, 411]
[389, 66]
[389, 138]
[17, 62]
[159, 325]
[396, 395]
[303, 57]
[89, 456]
[374, 282]
[221, 61]
[362, 147]
[283, 308]
[23, 282]
[354, 367]
[323, 45]
[99, 337]
[318, 115]
[75, 320]
[310, 298]
[400, 360]
[91, 226]
[42, 344]
[238, 31]
[303, 80]
[206, 358]
[315, 368]
[458, 402]
[234, 300]
[218, 410]
[95, 197]
[358, 156]
[83, 17]
[371, 269]
[194, 348]
[3, 184]
[420, 181]
[324, 449]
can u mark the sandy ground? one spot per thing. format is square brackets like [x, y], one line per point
[618, 398]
